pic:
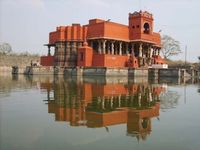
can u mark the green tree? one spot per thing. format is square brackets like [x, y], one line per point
[170, 47]
[5, 48]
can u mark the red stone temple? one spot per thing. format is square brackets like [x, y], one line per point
[103, 43]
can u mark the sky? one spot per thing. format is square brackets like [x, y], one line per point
[25, 24]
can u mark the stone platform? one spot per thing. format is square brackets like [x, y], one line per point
[81, 71]
[105, 71]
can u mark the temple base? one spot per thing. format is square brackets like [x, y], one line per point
[105, 71]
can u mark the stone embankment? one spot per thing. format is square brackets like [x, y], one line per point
[7, 61]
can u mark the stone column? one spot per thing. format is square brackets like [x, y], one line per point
[99, 47]
[156, 51]
[68, 48]
[140, 50]
[112, 47]
[108, 47]
[150, 97]
[103, 103]
[132, 49]
[49, 50]
[127, 49]
[150, 55]
[111, 102]
[104, 46]
[74, 47]
[151, 52]
[79, 44]
[139, 99]
[159, 52]
[119, 100]
[120, 48]
[140, 55]
[115, 48]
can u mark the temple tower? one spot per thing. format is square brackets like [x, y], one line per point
[140, 23]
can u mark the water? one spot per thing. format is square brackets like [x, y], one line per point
[43, 112]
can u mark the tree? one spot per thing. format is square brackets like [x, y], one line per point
[5, 48]
[170, 46]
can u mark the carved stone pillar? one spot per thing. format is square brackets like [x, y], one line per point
[151, 52]
[156, 51]
[159, 52]
[150, 55]
[119, 100]
[99, 47]
[120, 48]
[132, 49]
[108, 47]
[74, 47]
[79, 44]
[127, 52]
[115, 48]
[49, 51]
[112, 47]
[140, 55]
[103, 103]
[111, 102]
[140, 50]
[104, 46]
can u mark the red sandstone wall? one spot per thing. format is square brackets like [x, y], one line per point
[154, 38]
[158, 60]
[68, 33]
[98, 60]
[47, 60]
[116, 31]
[101, 60]
[53, 36]
[157, 38]
[85, 55]
[95, 30]
[94, 21]
[108, 29]
[136, 31]
[115, 61]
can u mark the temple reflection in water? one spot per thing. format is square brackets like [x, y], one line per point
[102, 103]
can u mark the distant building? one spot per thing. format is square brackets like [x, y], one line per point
[106, 44]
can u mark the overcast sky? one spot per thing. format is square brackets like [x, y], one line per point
[26, 24]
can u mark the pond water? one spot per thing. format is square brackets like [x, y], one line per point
[48, 113]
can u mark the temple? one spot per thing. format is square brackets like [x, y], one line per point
[103, 43]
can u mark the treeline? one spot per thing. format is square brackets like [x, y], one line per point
[9, 58]
[6, 49]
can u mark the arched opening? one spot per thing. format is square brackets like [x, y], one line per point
[146, 28]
